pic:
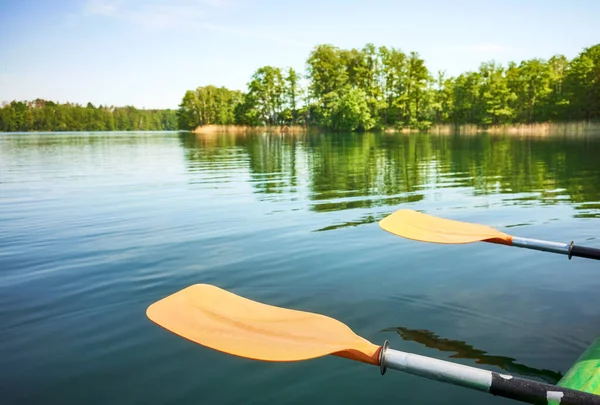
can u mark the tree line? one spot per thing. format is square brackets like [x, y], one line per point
[43, 115]
[355, 89]
[381, 87]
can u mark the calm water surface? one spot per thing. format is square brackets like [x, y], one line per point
[94, 227]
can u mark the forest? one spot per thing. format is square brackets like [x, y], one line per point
[381, 87]
[43, 115]
[364, 89]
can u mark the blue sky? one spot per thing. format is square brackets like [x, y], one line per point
[148, 53]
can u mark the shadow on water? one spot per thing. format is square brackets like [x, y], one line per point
[338, 172]
[464, 350]
[369, 219]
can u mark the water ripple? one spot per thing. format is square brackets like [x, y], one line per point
[95, 227]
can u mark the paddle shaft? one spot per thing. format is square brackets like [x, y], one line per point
[503, 385]
[568, 249]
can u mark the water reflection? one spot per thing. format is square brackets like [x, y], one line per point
[337, 172]
[464, 350]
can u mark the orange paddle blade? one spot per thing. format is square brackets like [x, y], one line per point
[415, 225]
[223, 321]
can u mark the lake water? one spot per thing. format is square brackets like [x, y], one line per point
[94, 227]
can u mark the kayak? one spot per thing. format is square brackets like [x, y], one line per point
[584, 375]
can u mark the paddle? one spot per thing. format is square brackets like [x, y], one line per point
[427, 228]
[226, 322]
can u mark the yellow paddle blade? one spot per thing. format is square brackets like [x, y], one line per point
[415, 225]
[223, 321]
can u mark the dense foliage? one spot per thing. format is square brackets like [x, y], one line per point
[208, 105]
[385, 87]
[42, 115]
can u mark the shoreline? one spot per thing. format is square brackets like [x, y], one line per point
[244, 129]
[540, 129]
[546, 128]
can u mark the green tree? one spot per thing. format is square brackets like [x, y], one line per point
[557, 69]
[417, 81]
[246, 112]
[266, 91]
[208, 105]
[582, 85]
[188, 114]
[292, 93]
[392, 81]
[351, 112]
[496, 96]
[326, 71]
[441, 99]
[467, 99]
[530, 82]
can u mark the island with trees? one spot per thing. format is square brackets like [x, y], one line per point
[384, 88]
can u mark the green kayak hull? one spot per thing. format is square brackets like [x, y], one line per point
[584, 375]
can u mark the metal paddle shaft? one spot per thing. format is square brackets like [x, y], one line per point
[503, 385]
[568, 249]
[428, 228]
[223, 321]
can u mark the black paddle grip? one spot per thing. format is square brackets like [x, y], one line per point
[587, 252]
[535, 392]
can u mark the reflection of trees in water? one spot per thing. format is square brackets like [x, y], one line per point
[463, 350]
[215, 151]
[345, 171]
[272, 163]
[269, 159]
[359, 171]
